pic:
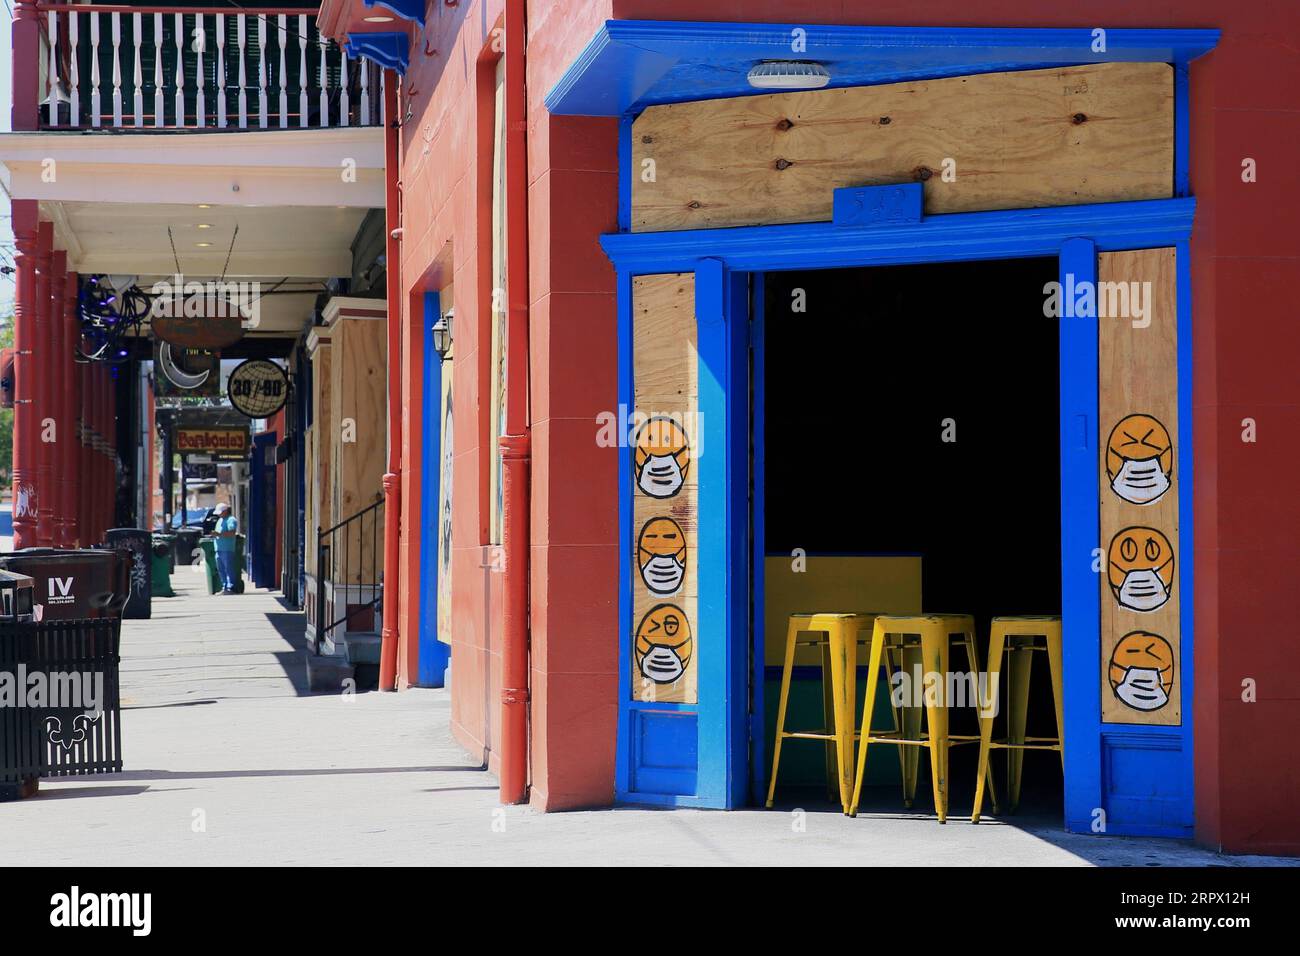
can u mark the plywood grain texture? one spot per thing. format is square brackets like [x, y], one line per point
[665, 386]
[1138, 376]
[359, 436]
[1096, 133]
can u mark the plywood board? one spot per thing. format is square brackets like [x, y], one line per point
[1138, 408]
[1097, 133]
[360, 401]
[665, 373]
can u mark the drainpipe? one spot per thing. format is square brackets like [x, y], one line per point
[514, 444]
[69, 443]
[46, 374]
[393, 475]
[58, 392]
[25, 379]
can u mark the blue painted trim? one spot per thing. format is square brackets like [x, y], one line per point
[631, 64]
[624, 737]
[896, 204]
[412, 10]
[1182, 132]
[389, 50]
[1080, 535]
[434, 655]
[626, 173]
[758, 544]
[1002, 234]
[740, 596]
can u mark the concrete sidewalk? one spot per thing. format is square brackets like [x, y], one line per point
[230, 761]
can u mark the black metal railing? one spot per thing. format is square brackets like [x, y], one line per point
[83, 733]
[349, 556]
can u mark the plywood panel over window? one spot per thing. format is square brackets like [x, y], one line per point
[1097, 133]
[665, 492]
[1138, 407]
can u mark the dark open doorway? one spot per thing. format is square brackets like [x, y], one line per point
[911, 418]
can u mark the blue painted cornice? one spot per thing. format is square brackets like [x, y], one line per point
[631, 64]
[412, 10]
[389, 50]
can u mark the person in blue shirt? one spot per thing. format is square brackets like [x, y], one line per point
[225, 528]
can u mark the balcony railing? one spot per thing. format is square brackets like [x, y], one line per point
[199, 68]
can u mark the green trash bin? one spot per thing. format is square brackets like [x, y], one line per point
[209, 546]
[160, 581]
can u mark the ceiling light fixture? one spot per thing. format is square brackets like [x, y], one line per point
[377, 19]
[788, 75]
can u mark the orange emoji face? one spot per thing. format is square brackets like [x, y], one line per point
[1142, 670]
[662, 457]
[661, 555]
[1139, 459]
[1140, 565]
[663, 644]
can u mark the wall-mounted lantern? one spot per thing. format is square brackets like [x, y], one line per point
[442, 333]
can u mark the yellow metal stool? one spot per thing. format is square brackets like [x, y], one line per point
[838, 636]
[1019, 638]
[935, 633]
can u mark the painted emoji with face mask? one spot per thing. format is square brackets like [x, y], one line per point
[1140, 564]
[662, 458]
[1139, 459]
[1142, 670]
[663, 644]
[661, 555]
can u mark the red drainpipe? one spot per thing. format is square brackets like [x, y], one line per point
[46, 373]
[69, 447]
[393, 476]
[514, 443]
[26, 422]
[58, 393]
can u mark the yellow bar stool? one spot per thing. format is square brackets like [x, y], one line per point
[837, 635]
[934, 633]
[1019, 638]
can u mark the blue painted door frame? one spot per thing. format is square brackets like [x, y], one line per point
[261, 512]
[434, 655]
[721, 260]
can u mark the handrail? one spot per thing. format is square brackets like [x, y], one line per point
[369, 578]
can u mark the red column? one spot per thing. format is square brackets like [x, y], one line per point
[107, 444]
[26, 421]
[391, 633]
[44, 372]
[26, 42]
[60, 432]
[86, 519]
[69, 410]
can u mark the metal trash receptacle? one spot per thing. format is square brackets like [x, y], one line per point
[187, 547]
[74, 583]
[139, 543]
[161, 559]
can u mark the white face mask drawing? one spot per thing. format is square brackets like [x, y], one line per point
[1143, 590]
[662, 665]
[1141, 689]
[661, 476]
[1140, 481]
[663, 573]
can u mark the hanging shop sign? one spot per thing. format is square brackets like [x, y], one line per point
[201, 315]
[202, 332]
[222, 443]
[258, 388]
[186, 372]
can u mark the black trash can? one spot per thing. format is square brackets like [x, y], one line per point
[139, 605]
[188, 553]
[74, 583]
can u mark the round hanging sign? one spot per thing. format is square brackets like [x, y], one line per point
[258, 388]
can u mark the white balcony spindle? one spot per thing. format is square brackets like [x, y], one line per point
[241, 21]
[137, 73]
[324, 118]
[343, 87]
[302, 70]
[74, 79]
[54, 68]
[159, 103]
[116, 20]
[282, 36]
[179, 37]
[94, 69]
[221, 71]
[200, 81]
[261, 71]
[365, 92]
